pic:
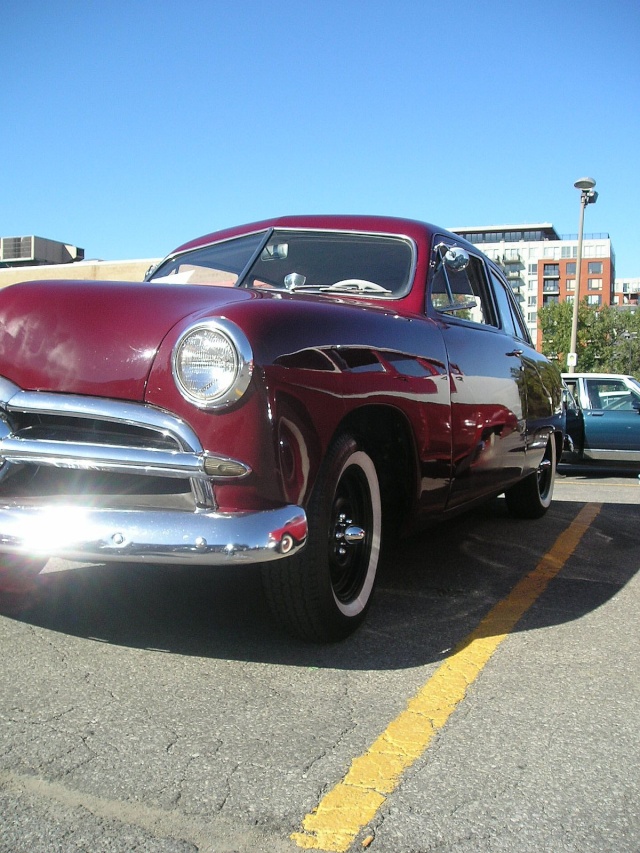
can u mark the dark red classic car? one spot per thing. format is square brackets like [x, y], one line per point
[289, 393]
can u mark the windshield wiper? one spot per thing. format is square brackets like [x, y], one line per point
[347, 285]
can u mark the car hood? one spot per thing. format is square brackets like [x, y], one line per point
[97, 338]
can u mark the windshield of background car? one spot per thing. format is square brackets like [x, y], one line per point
[220, 263]
[295, 261]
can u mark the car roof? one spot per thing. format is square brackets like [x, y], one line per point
[597, 376]
[330, 222]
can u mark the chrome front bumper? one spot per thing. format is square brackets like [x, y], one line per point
[42, 431]
[153, 536]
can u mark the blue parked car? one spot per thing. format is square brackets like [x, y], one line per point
[602, 418]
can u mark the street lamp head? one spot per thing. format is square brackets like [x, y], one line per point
[585, 184]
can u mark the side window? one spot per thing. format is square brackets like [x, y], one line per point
[462, 292]
[572, 385]
[504, 309]
[512, 321]
[610, 394]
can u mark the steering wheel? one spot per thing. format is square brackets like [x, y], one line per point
[361, 284]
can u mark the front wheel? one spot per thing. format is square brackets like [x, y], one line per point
[531, 497]
[323, 593]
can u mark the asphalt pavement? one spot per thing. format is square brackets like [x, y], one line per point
[160, 709]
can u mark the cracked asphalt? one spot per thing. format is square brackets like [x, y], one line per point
[159, 709]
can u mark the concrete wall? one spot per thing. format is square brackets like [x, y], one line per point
[88, 270]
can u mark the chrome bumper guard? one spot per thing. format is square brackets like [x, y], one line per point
[204, 536]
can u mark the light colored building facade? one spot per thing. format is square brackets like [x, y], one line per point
[540, 265]
[626, 291]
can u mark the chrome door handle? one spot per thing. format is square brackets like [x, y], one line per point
[515, 352]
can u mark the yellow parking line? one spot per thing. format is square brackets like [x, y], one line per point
[345, 810]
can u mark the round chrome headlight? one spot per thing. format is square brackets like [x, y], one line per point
[212, 364]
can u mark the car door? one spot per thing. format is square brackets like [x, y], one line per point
[486, 377]
[574, 422]
[612, 420]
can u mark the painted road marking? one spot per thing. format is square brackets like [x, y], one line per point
[345, 810]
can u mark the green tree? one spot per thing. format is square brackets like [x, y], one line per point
[608, 338]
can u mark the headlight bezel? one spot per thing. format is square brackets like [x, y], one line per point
[243, 357]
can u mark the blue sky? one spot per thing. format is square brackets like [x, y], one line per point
[129, 126]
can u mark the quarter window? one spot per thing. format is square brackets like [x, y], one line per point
[462, 293]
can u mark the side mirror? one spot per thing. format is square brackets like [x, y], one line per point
[454, 258]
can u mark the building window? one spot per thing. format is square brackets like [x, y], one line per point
[571, 269]
[550, 285]
[531, 317]
[569, 298]
[594, 299]
[571, 284]
[595, 267]
[547, 299]
[551, 269]
[532, 269]
[595, 284]
[532, 301]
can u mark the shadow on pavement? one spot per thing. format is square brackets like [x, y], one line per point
[432, 591]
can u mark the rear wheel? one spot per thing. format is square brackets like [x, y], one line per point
[531, 497]
[323, 593]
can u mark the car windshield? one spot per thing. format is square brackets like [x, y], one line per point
[295, 261]
[220, 263]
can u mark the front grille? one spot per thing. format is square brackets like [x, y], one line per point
[56, 447]
[36, 427]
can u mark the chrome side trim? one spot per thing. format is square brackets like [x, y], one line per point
[611, 455]
[206, 538]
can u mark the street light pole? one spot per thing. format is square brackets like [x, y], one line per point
[587, 196]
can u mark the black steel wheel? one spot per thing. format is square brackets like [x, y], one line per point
[323, 592]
